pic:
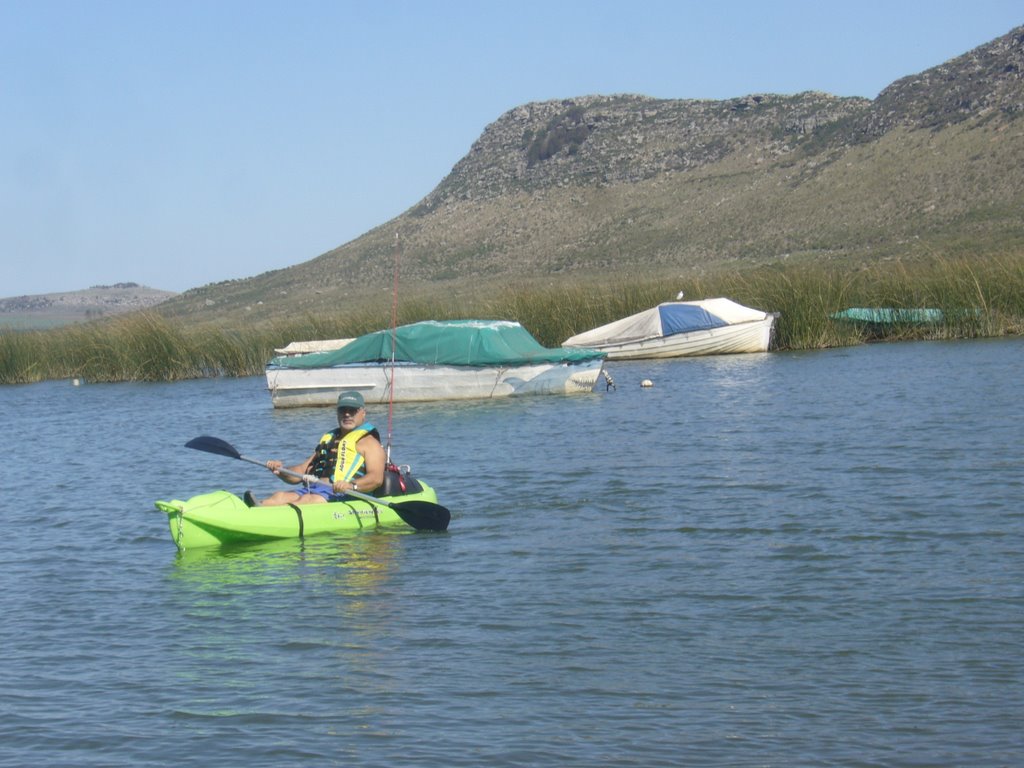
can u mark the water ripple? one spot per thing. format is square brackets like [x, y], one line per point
[763, 559]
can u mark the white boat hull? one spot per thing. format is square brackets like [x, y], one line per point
[295, 387]
[754, 336]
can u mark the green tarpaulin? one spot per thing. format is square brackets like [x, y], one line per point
[889, 316]
[443, 342]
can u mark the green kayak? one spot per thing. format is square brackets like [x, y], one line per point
[222, 517]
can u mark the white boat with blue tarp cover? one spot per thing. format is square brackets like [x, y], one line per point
[434, 360]
[682, 329]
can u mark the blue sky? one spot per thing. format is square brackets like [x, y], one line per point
[177, 143]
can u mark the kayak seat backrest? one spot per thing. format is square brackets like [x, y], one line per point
[393, 482]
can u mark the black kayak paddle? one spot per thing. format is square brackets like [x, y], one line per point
[421, 515]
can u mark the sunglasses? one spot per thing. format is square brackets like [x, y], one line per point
[348, 411]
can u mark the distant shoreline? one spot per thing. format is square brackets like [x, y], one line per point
[978, 298]
[53, 310]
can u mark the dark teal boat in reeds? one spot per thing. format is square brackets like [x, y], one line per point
[889, 316]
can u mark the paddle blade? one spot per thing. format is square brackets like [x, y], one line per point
[213, 445]
[423, 515]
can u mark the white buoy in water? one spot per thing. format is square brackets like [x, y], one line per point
[75, 382]
[646, 383]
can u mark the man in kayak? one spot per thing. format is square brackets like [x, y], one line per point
[349, 458]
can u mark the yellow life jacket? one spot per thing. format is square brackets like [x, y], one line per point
[337, 458]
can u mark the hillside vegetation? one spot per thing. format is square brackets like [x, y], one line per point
[598, 188]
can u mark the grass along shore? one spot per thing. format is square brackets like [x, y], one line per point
[979, 298]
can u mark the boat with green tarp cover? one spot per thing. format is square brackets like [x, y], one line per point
[889, 316]
[434, 360]
[221, 517]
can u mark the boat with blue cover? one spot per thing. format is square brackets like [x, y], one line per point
[682, 329]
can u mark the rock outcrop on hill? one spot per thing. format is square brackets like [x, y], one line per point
[626, 184]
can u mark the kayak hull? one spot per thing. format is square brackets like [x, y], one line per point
[221, 517]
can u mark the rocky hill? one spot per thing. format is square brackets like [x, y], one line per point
[986, 83]
[53, 309]
[600, 186]
[599, 141]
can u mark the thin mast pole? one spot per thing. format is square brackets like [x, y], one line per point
[394, 344]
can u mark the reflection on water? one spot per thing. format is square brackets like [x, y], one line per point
[347, 588]
[352, 564]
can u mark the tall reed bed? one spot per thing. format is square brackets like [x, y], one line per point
[979, 297]
[137, 347]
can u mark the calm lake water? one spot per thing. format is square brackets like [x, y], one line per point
[763, 560]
